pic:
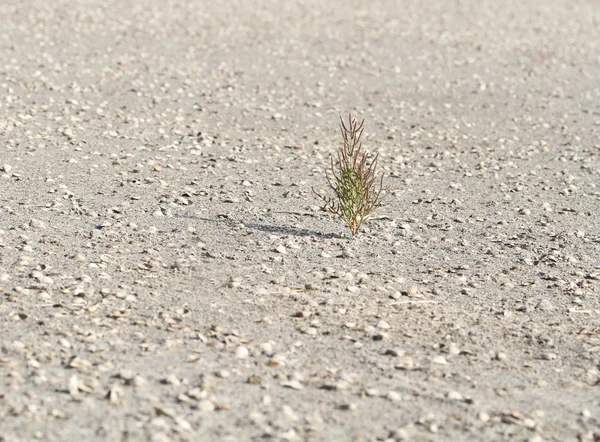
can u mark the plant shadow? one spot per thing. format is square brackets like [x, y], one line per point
[294, 231]
[270, 228]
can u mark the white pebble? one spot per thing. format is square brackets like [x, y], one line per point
[439, 359]
[394, 396]
[242, 352]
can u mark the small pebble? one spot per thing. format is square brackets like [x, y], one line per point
[139, 381]
[545, 305]
[242, 352]
[206, 405]
[406, 363]
[73, 386]
[439, 359]
[294, 384]
[394, 352]
[383, 325]
[454, 396]
[267, 348]
[394, 396]
[171, 380]
[500, 356]
[372, 392]
[36, 224]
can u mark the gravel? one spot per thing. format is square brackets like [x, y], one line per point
[166, 272]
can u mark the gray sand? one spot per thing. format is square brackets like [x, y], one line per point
[166, 273]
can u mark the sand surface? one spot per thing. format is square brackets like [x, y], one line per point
[167, 274]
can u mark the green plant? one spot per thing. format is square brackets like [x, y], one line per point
[355, 185]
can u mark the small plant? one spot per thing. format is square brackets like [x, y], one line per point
[355, 185]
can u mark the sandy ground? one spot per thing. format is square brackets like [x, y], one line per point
[166, 273]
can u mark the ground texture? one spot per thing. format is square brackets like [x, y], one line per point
[167, 274]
